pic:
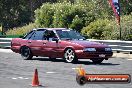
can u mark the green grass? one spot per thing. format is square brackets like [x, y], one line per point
[13, 36]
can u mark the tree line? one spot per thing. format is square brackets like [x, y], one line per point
[16, 13]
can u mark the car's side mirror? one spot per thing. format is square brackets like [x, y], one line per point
[85, 36]
[55, 39]
[21, 36]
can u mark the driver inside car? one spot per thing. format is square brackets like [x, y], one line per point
[49, 35]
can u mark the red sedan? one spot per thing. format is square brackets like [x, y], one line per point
[60, 43]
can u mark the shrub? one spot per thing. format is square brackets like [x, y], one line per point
[77, 23]
[114, 30]
[64, 14]
[126, 27]
[108, 29]
[44, 15]
[62, 18]
[0, 30]
[95, 29]
[21, 30]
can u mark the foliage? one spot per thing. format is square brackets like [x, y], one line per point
[0, 28]
[75, 14]
[44, 17]
[64, 15]
[77, 23]
[61, 17]
[126, 27]
[14, 13]
[114, 30]
[95, 29]
[108, 29]
[21, 30]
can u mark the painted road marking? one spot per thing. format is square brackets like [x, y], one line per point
[19, 78]
[6, 50]
[74, 68]
[50, 72]
[129, 59]
[14, 78]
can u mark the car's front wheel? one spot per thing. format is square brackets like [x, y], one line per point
[97, 61]
[26, 53]
[69, 56]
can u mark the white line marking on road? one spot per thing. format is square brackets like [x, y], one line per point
[6, 50]
[19, 78]
[129, 59]
[14, 78]
[50, 72]
[75, 68]
[26, 78]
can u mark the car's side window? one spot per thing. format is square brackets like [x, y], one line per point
[49, 35]
[28, 35]
[32, 37]
[38, 35]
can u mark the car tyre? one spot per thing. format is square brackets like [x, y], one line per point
[70, 56]
[81, 80]
[97, 61]
[26, 53]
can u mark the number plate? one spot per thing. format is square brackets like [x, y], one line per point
[101, 55]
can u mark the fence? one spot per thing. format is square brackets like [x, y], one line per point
[5, 43]
[117, 45]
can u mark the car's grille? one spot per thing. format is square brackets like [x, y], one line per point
[100, 49]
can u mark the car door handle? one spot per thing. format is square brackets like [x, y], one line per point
[29, 42]
[44, 43]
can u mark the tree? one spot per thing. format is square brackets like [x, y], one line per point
[14, 13]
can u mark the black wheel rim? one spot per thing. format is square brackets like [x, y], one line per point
[25, 52]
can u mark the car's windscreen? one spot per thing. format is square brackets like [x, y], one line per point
[69, 35]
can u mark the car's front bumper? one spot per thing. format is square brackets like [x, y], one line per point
[92, 55]
[16, 49]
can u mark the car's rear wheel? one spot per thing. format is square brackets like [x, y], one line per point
[26, 53]
[97, 61]
[70, 56]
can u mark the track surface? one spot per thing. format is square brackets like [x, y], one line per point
[17, 73]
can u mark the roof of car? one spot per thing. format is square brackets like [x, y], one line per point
[50, 29]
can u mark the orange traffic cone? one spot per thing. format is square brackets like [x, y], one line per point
[81, 71]
[35, 80]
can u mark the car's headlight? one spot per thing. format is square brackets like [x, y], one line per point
[108, 49]
[89, 49]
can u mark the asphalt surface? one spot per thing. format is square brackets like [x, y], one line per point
[17, 73]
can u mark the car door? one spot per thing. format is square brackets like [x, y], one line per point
[37, 44]
[51, 46]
